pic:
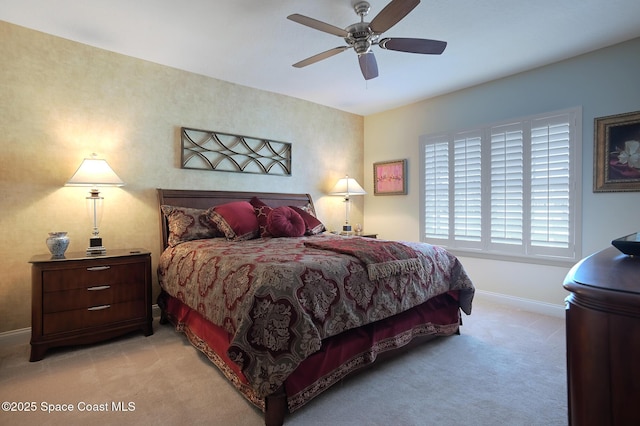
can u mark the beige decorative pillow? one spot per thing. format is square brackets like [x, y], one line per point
[313, 225]
[186, 224]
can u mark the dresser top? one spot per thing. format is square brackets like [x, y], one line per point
[81, 255]
[606, 270]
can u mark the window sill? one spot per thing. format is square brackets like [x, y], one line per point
[549, 261]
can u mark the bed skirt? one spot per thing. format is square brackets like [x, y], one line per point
[339, 356]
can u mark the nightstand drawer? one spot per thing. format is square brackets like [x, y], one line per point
[92, 276]
[91, 296]
[90, 317]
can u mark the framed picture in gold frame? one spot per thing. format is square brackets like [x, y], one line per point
[617, 153]
[390, 178]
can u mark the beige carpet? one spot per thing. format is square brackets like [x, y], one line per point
[507, 367]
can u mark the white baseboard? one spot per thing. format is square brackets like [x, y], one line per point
[15, 337]
[535, 306]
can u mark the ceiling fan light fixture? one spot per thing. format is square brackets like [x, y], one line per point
[362, 35]
[362, 47]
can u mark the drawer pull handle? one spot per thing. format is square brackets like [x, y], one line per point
[98, 308]
[98, 268]
[98, 287]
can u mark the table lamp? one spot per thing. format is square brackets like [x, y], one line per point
[347, 187]
[94, 173]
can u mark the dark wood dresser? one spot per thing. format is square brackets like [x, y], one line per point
[603, 339]
[82, 299]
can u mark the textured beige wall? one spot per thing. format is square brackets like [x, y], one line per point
[60, 101]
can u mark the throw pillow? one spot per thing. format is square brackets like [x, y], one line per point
[186, 224]
[236, 220]
[262, 213]
[285, 222]
[312, 225]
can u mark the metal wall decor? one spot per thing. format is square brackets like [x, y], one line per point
[208, 150]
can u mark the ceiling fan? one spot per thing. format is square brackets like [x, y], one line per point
[361, 36]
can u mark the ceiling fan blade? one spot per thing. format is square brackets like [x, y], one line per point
[392, 14]
[368, 65]
[320, 56]
[317, 25]
[413, 45]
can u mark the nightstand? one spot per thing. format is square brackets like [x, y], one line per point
[82, 299]
[353, 234]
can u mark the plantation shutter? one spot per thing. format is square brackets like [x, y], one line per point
[436, 190]
[467, 187]
[510, 189]
[507, 184]
[550, 182]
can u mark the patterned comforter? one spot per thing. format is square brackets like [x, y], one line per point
[278, 298]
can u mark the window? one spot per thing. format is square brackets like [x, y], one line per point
[508, 189]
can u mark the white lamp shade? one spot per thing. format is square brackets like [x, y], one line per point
[347, 186]
[94, 172]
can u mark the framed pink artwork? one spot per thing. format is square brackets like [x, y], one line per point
[390, 178]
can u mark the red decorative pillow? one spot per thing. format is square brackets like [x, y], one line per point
[312, 225]
[236, 219]
[186, 224]
[285, 222]
[262, 213]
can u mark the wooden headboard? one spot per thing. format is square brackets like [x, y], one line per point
[200, 199]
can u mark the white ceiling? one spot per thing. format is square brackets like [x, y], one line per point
[250, 42]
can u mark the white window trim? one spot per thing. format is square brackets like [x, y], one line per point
[519, 253]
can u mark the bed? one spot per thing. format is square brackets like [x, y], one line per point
[286, 314]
